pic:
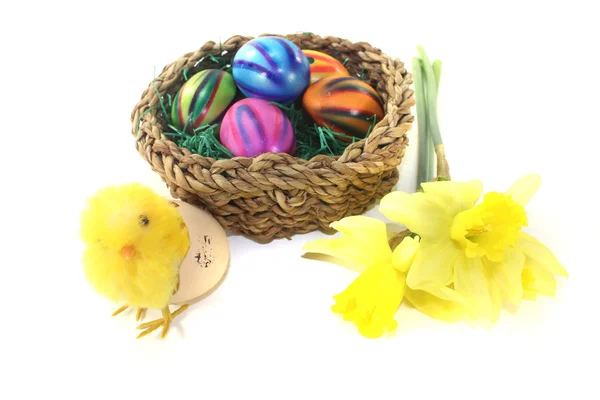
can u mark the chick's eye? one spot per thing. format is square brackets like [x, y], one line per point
[144, 221]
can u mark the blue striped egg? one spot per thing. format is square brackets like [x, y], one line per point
[272, 69]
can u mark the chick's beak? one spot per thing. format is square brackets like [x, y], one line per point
[128, 252]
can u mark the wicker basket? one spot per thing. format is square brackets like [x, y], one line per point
[278, 195]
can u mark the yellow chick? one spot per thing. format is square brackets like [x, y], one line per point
[135, 241]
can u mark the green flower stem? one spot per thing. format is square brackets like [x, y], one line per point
[431, 95]
[425, 161]
[437, 71]
[443, 170]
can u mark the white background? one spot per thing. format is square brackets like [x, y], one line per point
[519, 94]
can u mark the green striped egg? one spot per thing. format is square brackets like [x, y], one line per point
[203, 99]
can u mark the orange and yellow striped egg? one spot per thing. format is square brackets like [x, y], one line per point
[323, 65]
[345, 104]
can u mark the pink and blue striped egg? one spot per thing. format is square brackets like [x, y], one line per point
[271, 68]
[203, 99]
[254, 126]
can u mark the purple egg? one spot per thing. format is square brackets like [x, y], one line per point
[254, 126]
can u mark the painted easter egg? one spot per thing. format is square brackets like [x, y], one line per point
[323, 65]
[203, 99]
[345, 104]
[271, 68]
[254, 126]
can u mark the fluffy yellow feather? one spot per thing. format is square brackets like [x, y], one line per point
[135, 241]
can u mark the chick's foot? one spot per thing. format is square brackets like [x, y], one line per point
[139, 315]
[141, 312]
[120, 310]
[165, 322]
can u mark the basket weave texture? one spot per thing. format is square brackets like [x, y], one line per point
[278, 195]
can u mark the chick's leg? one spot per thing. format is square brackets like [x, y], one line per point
[165, 321]
[139, 315]
[120, 310]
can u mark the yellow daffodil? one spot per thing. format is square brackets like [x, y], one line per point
[477, 250]
[372, 300]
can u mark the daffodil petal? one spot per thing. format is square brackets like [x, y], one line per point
[507, 274]
[422, 213]
[456, 196]
[472, 281]
[369, 233]
[527, 276]
[541, 254]
[449, 294]
[524, 188]
[529, 294]
[343, 249]
[495, 298]
[404, 253]
[443, 310]
[433, 265]
[543, 280]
